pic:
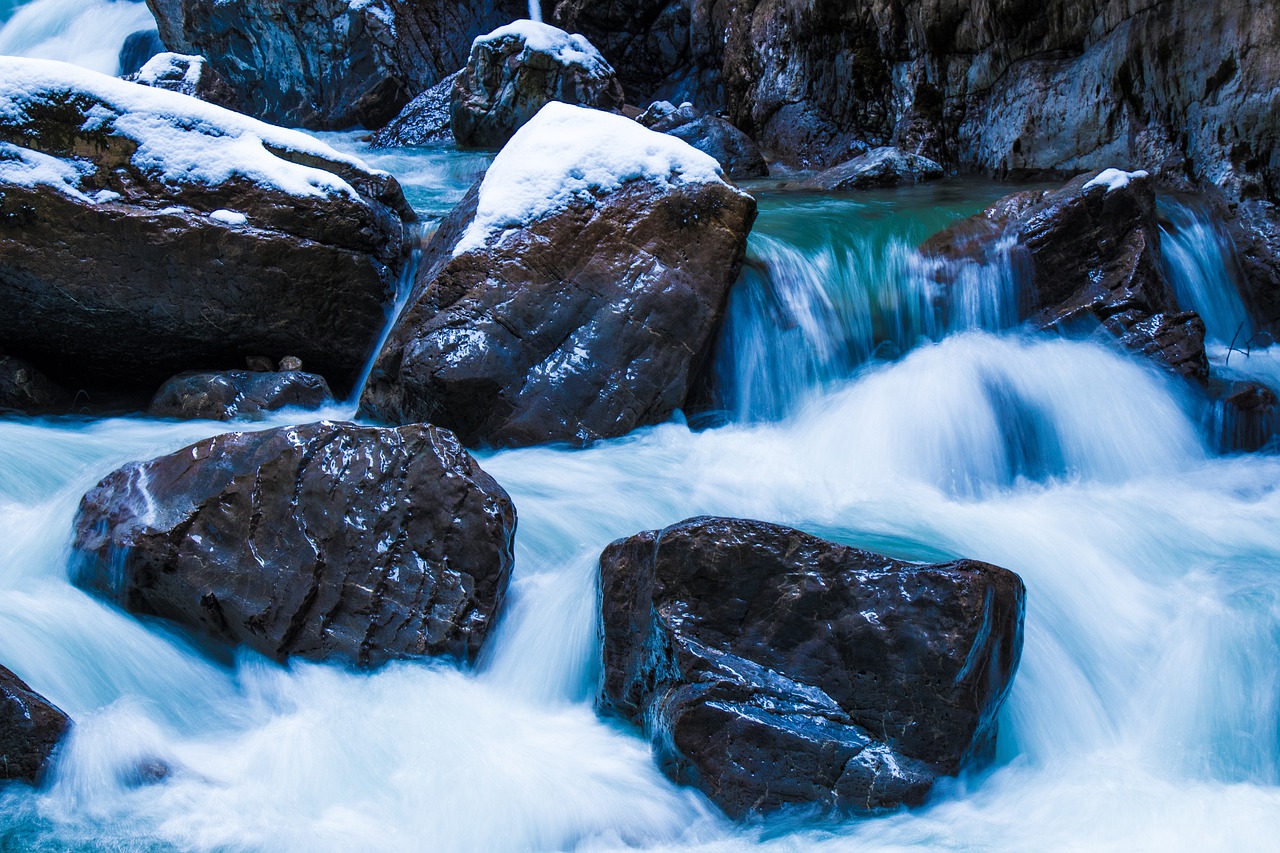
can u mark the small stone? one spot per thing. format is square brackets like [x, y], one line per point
[259, 364]
[290, 362]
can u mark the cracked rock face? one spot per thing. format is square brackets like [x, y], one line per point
[30, 728]
[328, 541]
[1088, 259]
[772, 668]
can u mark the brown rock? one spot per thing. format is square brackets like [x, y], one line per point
[30, 728]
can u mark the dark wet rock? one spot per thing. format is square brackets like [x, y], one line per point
[328, 541]
[188, 75]
[731, 147]
[423, 121]
[585, 322]
[137, 49]
[238, 394]
[30, 728]
[771, 668]
[1254, 226]
[1011, 88]
[1243, 417]
[1090, 256]
[23, 388]
[143, 234]
[330, 63]
[515, 70]
[880, 167]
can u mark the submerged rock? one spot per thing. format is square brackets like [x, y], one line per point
[772, 668]
[143, 233]
[515, 70]
[30, 728]
[1093, 248]
[423, 121]
[238, 394]
[880, 167]
[573, 295]
[329, 63]
[736, 153]
[328, 541]
[189, 75]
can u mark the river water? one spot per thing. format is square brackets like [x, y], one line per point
[857, 406]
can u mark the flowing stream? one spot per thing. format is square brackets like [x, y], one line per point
[856, 405]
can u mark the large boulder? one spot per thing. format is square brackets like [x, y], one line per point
[424, 120]
[30, 728]
[143, 233]
[573, 295]
[879, 168]
[772, 668]
[190, 75]
[328, 541]
[515, 70]
[1088, 255]
[329, 63]
[238, 394]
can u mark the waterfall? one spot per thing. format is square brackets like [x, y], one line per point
[83, 32]
[1199, 261]
[535, 10]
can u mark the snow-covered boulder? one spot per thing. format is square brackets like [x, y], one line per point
[144, 232]
[514, 70]
[880, 167]
[574, 293]
[190, 75]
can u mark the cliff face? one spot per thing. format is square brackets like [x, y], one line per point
[1008, 87]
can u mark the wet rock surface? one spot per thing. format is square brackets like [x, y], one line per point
[30, 728]
[878, 168]
[771, 668]
[423, 121]
[512, 72]
[583, 322]
[734, 150]
[1090, 257]
[238, 394]
[143, 233]
[328, 541]
[23, 388]
[332, 63]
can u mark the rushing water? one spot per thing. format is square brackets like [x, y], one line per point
[1145, 715]
[84, 32]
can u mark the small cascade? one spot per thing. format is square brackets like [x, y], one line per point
[1199, 261]
[535, 10]
[89, 33]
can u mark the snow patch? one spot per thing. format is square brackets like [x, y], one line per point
[1114, 179]
[26, 168]
[180, 139]
[568, 154]
[229, 217]
[566, 48]
[166, 67]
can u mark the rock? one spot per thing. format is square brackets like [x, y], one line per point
[259, 364]
[1243, 417]
[573, 295]
[880, 167]
[290, 362]
[137, 49]
[772, 668]
[734, 150]
[329, 64]
[1091, 255]
[664, 116]
[329, 541]
[1254, 226]
[238, 394]
[30, 728]
[423, 121]
[23, 388]
[1009, 88]
[514, 70]
[144, 233]
[189, 75]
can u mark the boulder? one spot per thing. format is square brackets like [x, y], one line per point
[137, 49]
[733, 149]
[515, 70]
[425, 120]
[663, 116]
[878, 168]
[238, 394]
[30, 728]
[143, 233]
[1090, 256]
[573, 294]
[23, 388]
[329, 541]
[771, 668]
[329, 64]
[190, 75]
[1242, 417]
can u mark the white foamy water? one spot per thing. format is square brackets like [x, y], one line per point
[89, 33]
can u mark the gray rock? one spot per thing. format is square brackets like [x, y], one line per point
[771, 668]
[328, 541]
[238, 394]
[878, 168]
[515, 70]
[664, 116]
[30, 729]
[423, 121]
[735, 151]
